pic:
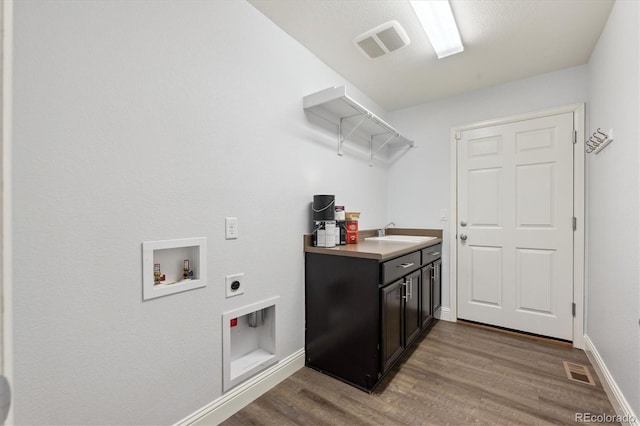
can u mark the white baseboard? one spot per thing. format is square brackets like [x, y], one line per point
[444, 314]
[237, 398]
[619, 402]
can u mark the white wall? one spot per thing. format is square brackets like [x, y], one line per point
[139, 121]
[419, 182]
[613, 201]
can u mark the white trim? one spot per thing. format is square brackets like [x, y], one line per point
[579, 247]
[7, 241]
[230, 403]
[444, 314]
[578, 208]
[619, 402]
[521, 117]
[453, 225]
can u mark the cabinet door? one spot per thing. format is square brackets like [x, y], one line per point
[437, 285]
[412, 307]
[426, 293]
[391, 298]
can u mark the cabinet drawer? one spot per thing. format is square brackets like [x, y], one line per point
[432, 253]
[400, 266]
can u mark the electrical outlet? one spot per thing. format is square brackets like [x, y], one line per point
[231, 228]
[234, 284]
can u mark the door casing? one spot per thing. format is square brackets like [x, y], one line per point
[578, 111]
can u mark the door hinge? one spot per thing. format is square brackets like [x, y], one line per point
[574, 223]
[575, 137]
[573, 309]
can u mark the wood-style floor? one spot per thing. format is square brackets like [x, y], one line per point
[455, 375]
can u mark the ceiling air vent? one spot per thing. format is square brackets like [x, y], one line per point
[383, 39]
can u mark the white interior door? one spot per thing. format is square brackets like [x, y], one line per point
[515, 225]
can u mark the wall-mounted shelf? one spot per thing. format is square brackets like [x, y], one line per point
[171, 255]
[351, 118]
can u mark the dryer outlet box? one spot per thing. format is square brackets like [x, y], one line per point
[234, 284]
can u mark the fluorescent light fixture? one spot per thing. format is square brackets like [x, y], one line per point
[437, 20]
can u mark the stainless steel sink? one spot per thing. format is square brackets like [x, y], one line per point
[401, 238]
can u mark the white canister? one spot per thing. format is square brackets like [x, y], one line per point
[325, 233]
[330, 227]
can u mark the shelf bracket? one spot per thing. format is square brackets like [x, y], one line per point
[372, 153]
[342, 138]
[393, 135]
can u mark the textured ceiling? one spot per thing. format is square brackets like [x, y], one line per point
[504, 40]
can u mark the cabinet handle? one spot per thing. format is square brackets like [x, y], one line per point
[411, 288]
[405, 294]
[434, 253]
[405, 265]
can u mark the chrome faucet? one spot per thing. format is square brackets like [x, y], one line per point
[381, 232]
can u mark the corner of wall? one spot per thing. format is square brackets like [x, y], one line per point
[620, 405]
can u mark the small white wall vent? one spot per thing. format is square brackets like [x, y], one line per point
[383, 39]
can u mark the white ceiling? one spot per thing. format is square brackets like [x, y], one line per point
[504, 40]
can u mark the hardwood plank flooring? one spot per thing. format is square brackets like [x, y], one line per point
[454, 375]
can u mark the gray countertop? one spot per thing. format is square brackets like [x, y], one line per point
[378, 250]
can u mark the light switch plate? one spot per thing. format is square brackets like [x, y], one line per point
[231, 228]
[443, 214]
[229, 284]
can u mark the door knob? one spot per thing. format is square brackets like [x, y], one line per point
[463, 237]
[463, 223]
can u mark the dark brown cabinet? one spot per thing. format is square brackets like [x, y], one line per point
[391, 308]
[342, 318]
[426, 296]
[362, 314]
[437, 285]
[400, 317]
[431, 284]
[413, 325]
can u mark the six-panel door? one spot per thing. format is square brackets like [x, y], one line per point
[515, 233]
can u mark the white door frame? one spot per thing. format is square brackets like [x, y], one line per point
[578, 209]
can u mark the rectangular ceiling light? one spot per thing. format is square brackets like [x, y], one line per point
[437, 20]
